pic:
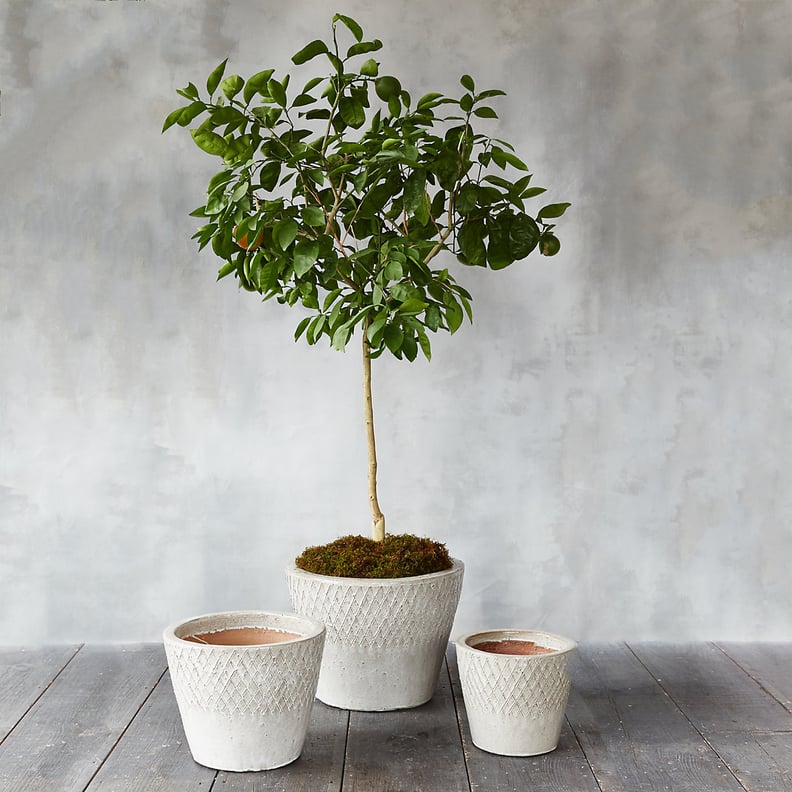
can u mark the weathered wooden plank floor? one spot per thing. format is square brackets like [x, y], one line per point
[703, 717]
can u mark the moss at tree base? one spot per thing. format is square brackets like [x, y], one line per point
[396, 556]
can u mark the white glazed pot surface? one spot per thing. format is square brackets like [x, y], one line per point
[386, 638]
[515, 703]
[245, 707]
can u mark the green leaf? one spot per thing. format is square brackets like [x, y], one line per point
[214, 78]
[467, 198]
[320, 114]
[369, 68]
[502, 157]
[285, 232]
[532, 192]
[488, 94]
[466, 305]
[410, 348]
[414, 188]
[312, 83]
[446, 168]
[467, 82]
[375, 327]
[471, 242]
[315, 329]
[387, 88]
[232, 85]
[353, 27]
[403, 291]
[432, 317]
[426, 347]
[335, 313]
[523, 236]
[210, 142]
[422, 210]
[257, 84]
[277, 92]
[303, 99]
[301, 327]
[393, 270]
[364, 47]
[219, 179]
[428, 100]
[184, 115]
[412, 307]
[553, 210]
[549, 244]
[316, 47]
[226, 269]
[393, 337]
[394, 106]
[305, 255]
[485, 112]
[338, 65]
[341, 337]
[330, 299]
[352, 112]
[454, 315]
[466, 103]
[269, 175]
[313, 216]
[190, 92]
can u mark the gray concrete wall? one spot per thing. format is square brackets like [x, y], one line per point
[608, 447]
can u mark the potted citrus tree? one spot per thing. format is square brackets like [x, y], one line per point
[346, 198]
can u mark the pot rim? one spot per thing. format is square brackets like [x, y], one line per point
[519, 634]
[293, 569]
[310, 630]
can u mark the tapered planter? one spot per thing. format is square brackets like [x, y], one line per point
[515, 703]
[245, 707]
[385, 638]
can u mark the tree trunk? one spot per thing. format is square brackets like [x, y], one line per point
[377, 517]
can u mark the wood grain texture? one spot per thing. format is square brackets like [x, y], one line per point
[319, 768]
[633, 735]
[770, 664]
[686, 718]
[24, 675]
[749, 729]
[561, 770]
[714, 692]
[153, 755]
[414, 750]
[64, 738]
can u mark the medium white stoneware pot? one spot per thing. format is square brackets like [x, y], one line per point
[386, 638]
[515, 703]
[245, 707]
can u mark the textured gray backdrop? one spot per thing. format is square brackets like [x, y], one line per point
[608, 447]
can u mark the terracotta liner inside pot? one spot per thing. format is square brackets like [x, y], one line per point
[512, 646]
[242, 636]
[518, 643]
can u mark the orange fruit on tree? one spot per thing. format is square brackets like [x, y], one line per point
[242, 240]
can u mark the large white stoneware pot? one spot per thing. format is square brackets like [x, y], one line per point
[515, 703]
[386, 639]
[245, 707]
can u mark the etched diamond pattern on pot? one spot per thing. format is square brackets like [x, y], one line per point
[508, 688]
[380, 616]
[244, 683]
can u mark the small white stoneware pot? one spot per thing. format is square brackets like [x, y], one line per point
[245, 707]
[515, 703]
[386, 638]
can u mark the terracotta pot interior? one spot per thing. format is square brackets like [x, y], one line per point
[511, 646]
[242, 636]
